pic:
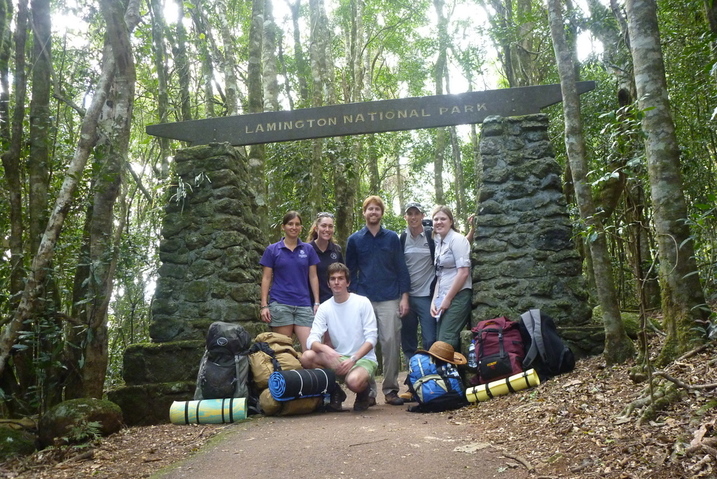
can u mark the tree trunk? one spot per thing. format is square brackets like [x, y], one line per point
[257, 153]
[320, 42]
[5, 53]
[683, 300]
[203, 45]
[269, 61]
[42, 259]
[158, 34]
[618, 347]
[346, 172]
[229, 63]
[439, 74]
[40, 124]
[12, 151]
[110, 157]
[302, 68]
[182, 62]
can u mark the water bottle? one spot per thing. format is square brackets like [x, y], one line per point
[472, 362]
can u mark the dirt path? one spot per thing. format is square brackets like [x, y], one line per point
[385, 441]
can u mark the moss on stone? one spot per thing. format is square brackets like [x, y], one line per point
[14, 442]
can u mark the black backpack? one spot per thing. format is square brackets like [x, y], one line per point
[545, 351]
[224, 368]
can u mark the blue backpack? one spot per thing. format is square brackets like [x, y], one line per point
[435, 384]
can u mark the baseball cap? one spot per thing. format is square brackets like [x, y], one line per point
[413, 204]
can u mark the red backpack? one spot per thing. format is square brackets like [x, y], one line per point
[498, 348]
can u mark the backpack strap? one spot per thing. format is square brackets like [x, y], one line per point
[538, 338]
[431, 244]
[532, 351]
[265, 348]
[532, 322]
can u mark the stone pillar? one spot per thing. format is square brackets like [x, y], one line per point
[211, 247]
[210, 250]
[523, 255]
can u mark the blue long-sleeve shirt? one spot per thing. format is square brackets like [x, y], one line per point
[377, 265]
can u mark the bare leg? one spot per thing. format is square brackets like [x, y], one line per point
[310, 360]
[302, 334]
[357, 379]
[285, 330]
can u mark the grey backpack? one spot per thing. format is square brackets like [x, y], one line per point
[224, 368]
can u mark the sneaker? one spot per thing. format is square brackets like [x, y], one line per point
[363, 401]
[371, 401]
[393, 399]
[407, 396]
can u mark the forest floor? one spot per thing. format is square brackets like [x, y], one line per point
[587, 423]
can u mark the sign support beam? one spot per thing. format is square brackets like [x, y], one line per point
[366, 117]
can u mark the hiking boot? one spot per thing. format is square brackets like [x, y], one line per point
[337, 398]
[393, 399]
[363, 401]
[407, 396]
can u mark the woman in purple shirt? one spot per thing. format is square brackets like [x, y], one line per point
[289, 282]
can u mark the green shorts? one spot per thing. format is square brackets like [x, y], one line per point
[367, 364]
[285, 315]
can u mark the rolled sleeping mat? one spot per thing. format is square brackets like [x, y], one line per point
[501, 387]
[301, 383]
[208, 411]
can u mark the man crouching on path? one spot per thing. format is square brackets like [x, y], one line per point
[351, 324]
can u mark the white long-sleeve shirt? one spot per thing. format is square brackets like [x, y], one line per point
[350, 324]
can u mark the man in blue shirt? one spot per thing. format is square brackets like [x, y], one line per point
[378, 271]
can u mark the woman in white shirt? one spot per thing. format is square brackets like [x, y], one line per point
[451, 305]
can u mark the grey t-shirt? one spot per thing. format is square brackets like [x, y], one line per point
[419, 263]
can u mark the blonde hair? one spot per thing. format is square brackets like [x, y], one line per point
[313, 230]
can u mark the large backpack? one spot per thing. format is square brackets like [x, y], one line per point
[545, 350]
[271, 352]
[435, 384]
[498, 348]
[224, 368]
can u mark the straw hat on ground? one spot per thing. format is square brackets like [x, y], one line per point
[445, 352]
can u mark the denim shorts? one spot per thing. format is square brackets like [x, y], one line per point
[285, 315]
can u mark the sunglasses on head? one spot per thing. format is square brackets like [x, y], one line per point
[324, 214]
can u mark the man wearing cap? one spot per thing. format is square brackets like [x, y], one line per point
[378, 271]
[418, 249]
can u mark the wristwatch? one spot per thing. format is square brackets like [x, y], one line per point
[353, 358]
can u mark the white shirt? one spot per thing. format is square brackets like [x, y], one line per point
[350, 324]
[452, 252]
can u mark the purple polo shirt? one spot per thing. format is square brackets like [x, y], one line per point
[290, 283]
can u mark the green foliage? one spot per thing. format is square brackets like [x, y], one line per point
[83, 432]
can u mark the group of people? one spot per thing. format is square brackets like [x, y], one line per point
[384, 287]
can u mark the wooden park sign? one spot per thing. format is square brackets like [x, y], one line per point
[367, 117]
